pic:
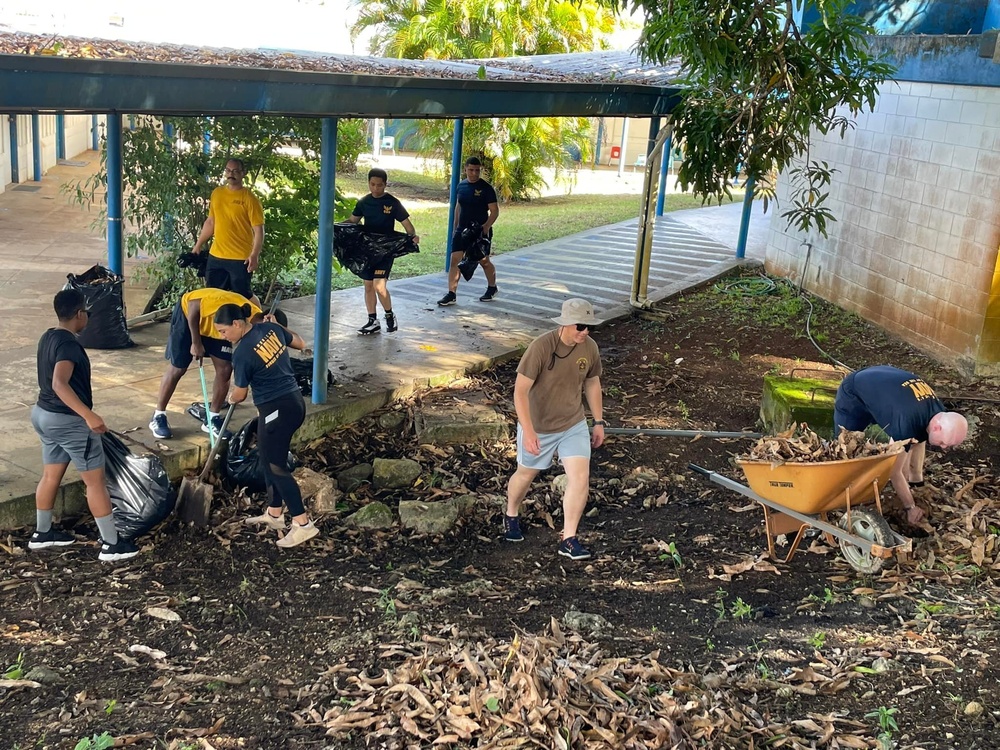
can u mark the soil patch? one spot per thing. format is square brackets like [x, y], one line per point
[359, 639]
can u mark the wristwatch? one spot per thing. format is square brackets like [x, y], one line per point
[600, 422]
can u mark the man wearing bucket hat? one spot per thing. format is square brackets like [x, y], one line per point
[556, 369]
[906, 408]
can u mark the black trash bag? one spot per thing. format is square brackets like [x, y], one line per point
[467, 266]
[360, 251]
[243, 467]
[197, 261]
[303, 369]
[104, 291]
[462, 241]
[141, 495]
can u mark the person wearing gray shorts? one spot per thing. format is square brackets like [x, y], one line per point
[70, 430]
[555, 372]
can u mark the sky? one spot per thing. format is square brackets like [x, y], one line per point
[317, 25]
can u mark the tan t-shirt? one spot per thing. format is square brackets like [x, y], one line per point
[236, 213]
[556, 396]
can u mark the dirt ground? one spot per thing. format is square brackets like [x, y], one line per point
[392, 640]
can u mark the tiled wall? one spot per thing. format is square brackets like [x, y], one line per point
[917, 201]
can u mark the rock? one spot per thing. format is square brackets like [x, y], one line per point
[44, 675]
[318, 487]
[559, 483]
[466, 504]
[372, 516]
[427, 517]
[395, 473]
[452, 420]
[392, 421]
[881, 664]
[972, 708]
[349, 479]
[585, 623]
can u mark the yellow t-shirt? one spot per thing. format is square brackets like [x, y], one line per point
[211, 300]
[236, 213]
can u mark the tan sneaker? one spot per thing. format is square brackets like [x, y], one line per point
[296, 535]
[266, 519]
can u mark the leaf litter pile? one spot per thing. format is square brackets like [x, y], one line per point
[678, 633]
[801, 445]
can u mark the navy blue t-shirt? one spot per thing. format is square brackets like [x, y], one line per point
[474, 198]
[898, 401]
[260, 362]
[380, 214]
[60, 345]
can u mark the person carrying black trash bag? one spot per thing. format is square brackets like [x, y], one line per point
[380, 212]
[476, 204]
[70, 430]
[192, 335]
[261, 362]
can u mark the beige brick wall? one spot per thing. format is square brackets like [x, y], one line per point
[917, 201]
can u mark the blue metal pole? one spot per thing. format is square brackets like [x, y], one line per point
[456, 171]
[60, 135]
[36, 146]
[15, 171]
[664, 171]
[741, 243]
[94, 134]
[168, 135]
[206, 142]
[116, 255]
[324, 258]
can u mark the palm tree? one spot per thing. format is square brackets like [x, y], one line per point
[513, 149]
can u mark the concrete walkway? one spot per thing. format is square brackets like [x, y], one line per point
[42, 238]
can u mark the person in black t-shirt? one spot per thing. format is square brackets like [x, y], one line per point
[260, 361]
[380, 212]
[476, 204]
[906, 408]
[69, 429]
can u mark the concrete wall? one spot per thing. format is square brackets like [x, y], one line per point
[637, 141]
[78, 140]
[915, 247]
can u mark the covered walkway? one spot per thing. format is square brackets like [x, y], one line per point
[42, 239]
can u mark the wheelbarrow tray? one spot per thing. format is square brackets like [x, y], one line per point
[813, 488]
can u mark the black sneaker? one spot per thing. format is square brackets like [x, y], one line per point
[50, 538]
[372, 326]
[489, 295]
[217, 422]
[158, 424]
[512, 529]
[572, 549]
[390, 324]
[449, 299]
[116, 552]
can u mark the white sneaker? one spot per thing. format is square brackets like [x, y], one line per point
[266, 519]
[296, 535]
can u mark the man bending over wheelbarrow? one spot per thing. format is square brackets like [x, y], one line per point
[905, 407]
[556, 370]
[193, 335]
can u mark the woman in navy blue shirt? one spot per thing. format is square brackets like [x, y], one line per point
[260, 362]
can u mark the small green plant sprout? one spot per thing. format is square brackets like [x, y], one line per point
[740, 610]
[886, 718]
[720, 604]
[817, 640]
[245, 585]
[98, 742]
[387, 604]
[709, 644]
[110, 706]
[16, 670]
[671, 554]
[492, 704]
[764, 670]
[683, 409]
[930, 608]
[735, 355]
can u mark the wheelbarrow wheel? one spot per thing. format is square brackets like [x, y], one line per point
[868, 525]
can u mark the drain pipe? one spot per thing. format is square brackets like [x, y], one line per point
[647, 221]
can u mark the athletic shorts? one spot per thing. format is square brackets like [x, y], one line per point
[231, 275]
[570, 443]
[381, 271]
[178, 351]
[65, 438]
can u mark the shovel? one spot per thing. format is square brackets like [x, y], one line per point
[194, 499]
[680, 433]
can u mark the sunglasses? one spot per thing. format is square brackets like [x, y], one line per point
[584, 327]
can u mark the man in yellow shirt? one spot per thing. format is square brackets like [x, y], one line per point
[193, 335]
[236, 221]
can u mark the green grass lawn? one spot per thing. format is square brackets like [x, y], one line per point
[520, 224]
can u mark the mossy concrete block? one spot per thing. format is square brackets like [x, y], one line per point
[394, 473]
[372, 516]
[427, 517]
[459, 419]
[788, 401]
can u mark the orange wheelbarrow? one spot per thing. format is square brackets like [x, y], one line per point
[795, 496]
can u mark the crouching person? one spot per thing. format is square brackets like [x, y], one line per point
[261, 362]
[555, 371]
